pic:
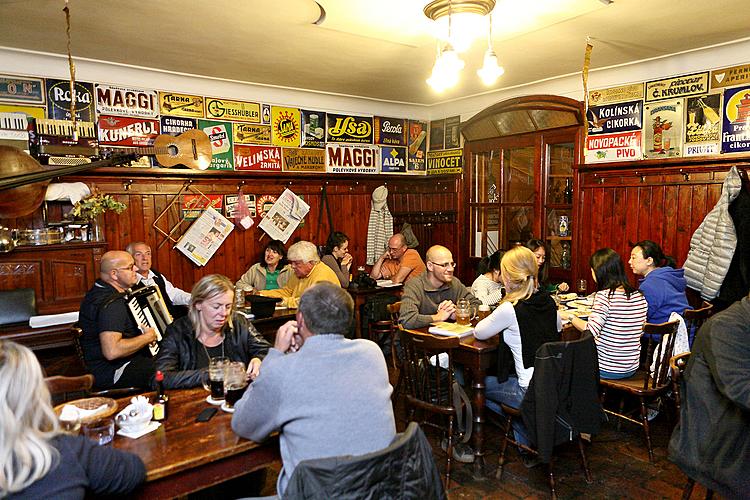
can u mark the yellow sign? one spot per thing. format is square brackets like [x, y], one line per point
[171, 103]
[449, 161]
[285, 126]
[730, 77]
[238, 111]
[680, 86]
[304, 160]
[30, 111]
[245, 133]
[616, 94]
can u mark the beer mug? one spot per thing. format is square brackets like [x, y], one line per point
[216, 378]
[483, 311]
[464, 312]
[235, 382]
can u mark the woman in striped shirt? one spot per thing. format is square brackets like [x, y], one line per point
[616, 318]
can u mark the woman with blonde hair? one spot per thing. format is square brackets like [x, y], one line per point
[527, 318]
[36, 459]
[211, 329]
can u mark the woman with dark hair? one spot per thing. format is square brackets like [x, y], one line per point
[540, 252]
[38, 459]
[270, 273]
[662, 284]
[336, 256]
[616, 318]
[488, 286]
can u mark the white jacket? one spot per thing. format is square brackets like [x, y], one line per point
[713, 243]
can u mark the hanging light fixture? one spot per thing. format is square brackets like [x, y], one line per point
[490, 70]
[458, 23]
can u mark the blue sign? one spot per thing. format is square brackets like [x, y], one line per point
[58, 100]
[612, 118]
[29, 90]
[175, 125]
[393, 160]
[735, 134]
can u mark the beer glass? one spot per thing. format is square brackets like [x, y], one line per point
[483, 312]
[464, 312]
[582, 285]
[235, 382]
[216, 378]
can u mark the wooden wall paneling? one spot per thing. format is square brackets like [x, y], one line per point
[669, 245]
[684, 222]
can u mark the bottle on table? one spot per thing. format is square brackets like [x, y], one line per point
[161, 400]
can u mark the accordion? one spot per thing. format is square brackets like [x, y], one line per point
[149, 309]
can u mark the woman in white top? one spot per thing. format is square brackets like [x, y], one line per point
[617, 316]
[488, 287]
[527, 318]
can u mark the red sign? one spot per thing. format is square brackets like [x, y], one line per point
[194, 204]
[127, 131]
[259, 158]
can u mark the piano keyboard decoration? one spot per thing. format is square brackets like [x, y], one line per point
[14, 130]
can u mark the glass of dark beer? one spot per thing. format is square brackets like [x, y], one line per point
[216, 378]
[235, 382]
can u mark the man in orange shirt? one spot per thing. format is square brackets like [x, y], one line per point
[399, 263]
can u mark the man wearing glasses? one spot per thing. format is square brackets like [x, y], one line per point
[308, 270]
[114, 347]
[399, 263]
[432, 296]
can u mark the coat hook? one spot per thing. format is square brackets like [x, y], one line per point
[240, 184]
[126, 184]
[685, 175]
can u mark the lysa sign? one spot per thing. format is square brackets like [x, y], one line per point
[613, 147]
[345, 159]
[349, 128]
[258, 158]
[124, 101]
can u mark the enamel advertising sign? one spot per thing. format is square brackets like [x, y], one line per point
[614, 147]
[616, 94]
[58, 100]
[452, 132]
[257, 158]
[613, 118]
[437, 135]
[127, 131]
[245, 133]
[663, 129]
[735, 136]
[172, 103]
[450, 161]
[285, 126]
[238, 111]
[313, 129]
[703, 127]
[193, 205]
[393, 160]
[681, 86]
[349, 128]
[126, 101]
[417, 146]
[304, 160]
[220, 135]
[390, 131]
[730, 77]
[174, 125]
[25, 90]
[352, 159]
[231, 202]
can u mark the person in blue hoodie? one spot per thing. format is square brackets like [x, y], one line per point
[662, 284]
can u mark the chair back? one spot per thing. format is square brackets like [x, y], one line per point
[64, 389]
[428, 385]
[661, 338]
[694, 318]
[17, 306]
[75, 336]
[677, 365]
[405, 469]
[394, 310]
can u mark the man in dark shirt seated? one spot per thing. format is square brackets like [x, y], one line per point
[114, 347]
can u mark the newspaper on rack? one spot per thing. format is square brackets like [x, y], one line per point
[284, 216]
[205, 236]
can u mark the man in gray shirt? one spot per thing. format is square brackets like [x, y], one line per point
[327, 395]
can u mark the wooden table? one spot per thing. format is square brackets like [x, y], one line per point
[360, 296]
[268, 326]
[479, 356]
[183, 456]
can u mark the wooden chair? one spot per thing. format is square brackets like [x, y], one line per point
[63, 389]
[644, 384]
[394, 310]
[75, 336]
[429, 387]
[694, 318]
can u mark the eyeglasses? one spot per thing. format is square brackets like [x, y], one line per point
[125, 268]
[452, 265]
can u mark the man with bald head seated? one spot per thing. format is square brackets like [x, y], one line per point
[115, 347]
[432, 296]
[399, 263]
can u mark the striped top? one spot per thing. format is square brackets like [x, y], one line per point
[617, 324]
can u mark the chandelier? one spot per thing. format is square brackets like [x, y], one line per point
[457, 24]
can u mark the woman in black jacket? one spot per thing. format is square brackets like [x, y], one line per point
[211, 329]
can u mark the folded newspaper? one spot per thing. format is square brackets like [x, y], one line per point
[451, 329]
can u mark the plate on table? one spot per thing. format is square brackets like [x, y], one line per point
[582, 303]
[225, 408]
[565, 297]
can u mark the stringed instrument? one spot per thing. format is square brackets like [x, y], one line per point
[28, 180]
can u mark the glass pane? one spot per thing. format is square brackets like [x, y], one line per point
[485, 227]
[559, 235]
[485, 177]
[560, 168]
[559, 223]
[518, 225]
[518, 172]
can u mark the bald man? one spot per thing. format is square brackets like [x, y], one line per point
[432, 296]
[114, 347]
[399, 263]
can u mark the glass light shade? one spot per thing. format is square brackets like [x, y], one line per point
[490, 70]
[446, 71]
[465, 27]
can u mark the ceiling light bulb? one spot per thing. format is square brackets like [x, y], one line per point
[446, 71]
[490, 70]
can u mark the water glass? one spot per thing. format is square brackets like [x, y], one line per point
[101, 432]
[582, 285]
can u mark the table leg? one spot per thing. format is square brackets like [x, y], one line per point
[477, 375]
[359, 301]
